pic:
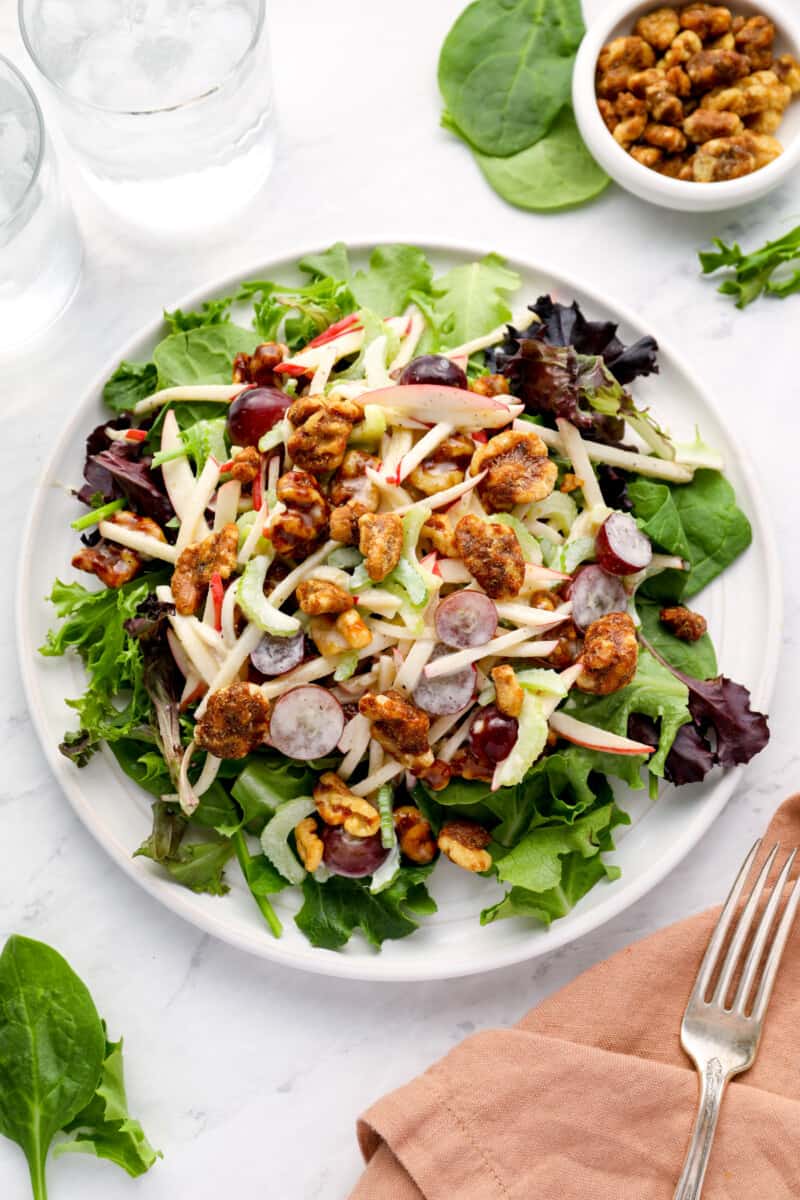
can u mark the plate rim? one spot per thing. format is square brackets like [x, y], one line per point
[375, 967]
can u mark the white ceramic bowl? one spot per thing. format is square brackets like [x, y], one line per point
[618, 20]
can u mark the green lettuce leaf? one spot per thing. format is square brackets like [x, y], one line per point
[130, 383]
[333, 262]
[395, 272]
[333, 910]
[198, 866]
[212, 312]
[204, 354]
[267, 779]
[467, 301]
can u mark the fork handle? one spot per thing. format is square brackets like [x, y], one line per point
[713, 1081]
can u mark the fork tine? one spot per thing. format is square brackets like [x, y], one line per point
[720, 932]
[742, 929]
[762, 933]
[776, 953]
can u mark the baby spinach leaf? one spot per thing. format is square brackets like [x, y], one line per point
[699, 521]
[505, 70]
[51, 1049]
[129, 383]
[557, 171]
[694, 658]
[394, 273]
[467, 301]
[105, 1128]
[198, 866]
[202, 355]
[332, 911]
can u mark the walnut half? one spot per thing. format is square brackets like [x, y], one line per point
[464, 842]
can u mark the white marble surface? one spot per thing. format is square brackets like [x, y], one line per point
[248, 1076]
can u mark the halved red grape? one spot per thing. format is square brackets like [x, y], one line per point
[306, 722]
[254, 412]
[276, 655]
[434, 368]
[466, 619]
[594, 593]
[445, 694]
[622, 548]
[352, 856]
[492, 734]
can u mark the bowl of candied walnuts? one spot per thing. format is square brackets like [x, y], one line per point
[693, 107]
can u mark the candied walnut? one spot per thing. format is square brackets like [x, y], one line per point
[216, 554]
[518, 470]
[309, 844]
[620, 59]
[608, 113]
[297, 530]
[665, 137]
[508, 692]
[492, 555]
[380, 540]
[322, 425]
[235, 722]
[445, 467]
[764, 147]
[259, 366]
[111, 563]
[464, 842]
[466, 764]
[317, 596]
[679, 82]
[715, 68]
[567, 649]
[246, 465]
[629, 105]
[326, 636]
[767, 121]
[672, 167]
[723, 158]
[683, 623]
[344, 522]
[683, 47]
[437, 775]
[354, 629]
[787, 70]
[755, 39]
[687, 170]
[437, 534]
[352, 483]
[569, 481]
[630, 130]
[658, 94]
[400, 727]
[610, 654]
[337, 805]
[758, 92]
[706, 20]
[726, 42]
[659, 27]
[547, 601]
[705, 124]
[414, 834]
[491, 385]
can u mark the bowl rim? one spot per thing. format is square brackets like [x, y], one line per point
[634, 175]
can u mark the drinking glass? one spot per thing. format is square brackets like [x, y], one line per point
[167, 103]
[40, 250]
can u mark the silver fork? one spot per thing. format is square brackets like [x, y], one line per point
[723, 1041]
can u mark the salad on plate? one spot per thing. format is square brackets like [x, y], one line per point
[394, 570]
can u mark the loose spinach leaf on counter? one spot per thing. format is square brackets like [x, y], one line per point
[505, 70]
[755, 274]
[334, 910]
[699, 521]
[130, 383]
[57, 1072]
[556, 172]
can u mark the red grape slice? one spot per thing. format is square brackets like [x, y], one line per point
[276, 655]
[446, 694]
[306, 722]
[352, 856]
[595, 593]
[492, 734]
[621, 547]
[254, 412]
[466, 619]
[434, 368]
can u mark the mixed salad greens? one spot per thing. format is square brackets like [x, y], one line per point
[413, 585]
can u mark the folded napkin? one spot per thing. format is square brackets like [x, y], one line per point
[590, 1096]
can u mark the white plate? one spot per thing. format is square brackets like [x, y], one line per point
[452, 943]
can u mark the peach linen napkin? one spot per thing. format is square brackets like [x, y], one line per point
[590, 1096]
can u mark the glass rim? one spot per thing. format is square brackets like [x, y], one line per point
[141, 112]
[37, 111]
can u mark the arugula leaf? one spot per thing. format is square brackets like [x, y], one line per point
[199, 866]
[130, 383]
[333, 910]
[204, 354]
[695, 658]
[297, 314]
[505, 70]
[699, 521]
[395, 273]
[467, 301]
[105, 1128]
[556, 172]
[755, 274]
[213, 312]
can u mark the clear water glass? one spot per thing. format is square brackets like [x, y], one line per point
[167, 103]
[40, 249]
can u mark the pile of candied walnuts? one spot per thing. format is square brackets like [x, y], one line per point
[697, 93]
